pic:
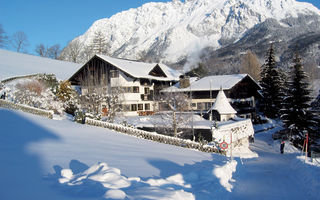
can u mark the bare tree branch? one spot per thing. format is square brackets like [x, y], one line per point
[19, 41]
[3, 38]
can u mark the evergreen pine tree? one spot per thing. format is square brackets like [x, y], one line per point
[297, 115]
[316, 103]
[271, 86]
[316, 109]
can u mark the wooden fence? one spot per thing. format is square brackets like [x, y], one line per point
[28, 109]
[154, 136]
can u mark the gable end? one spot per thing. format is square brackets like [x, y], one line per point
[157, 72]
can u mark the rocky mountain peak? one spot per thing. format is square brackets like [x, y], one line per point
[179, 31]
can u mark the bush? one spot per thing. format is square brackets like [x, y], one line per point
[65, 92]
[35, 94]
[50, 81]
[32, 86]
[70, 108]
[79, 117]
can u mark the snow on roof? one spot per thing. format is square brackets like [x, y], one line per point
[17, 64]
[140, 69]
[222, 104]
[213, 82]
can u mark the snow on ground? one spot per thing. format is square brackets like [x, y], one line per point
[58, 159]
[16, 64]
[165, 119]
[224, 173]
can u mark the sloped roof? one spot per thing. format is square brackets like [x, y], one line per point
[140, 69]
[14, 64]
[222, 104]
[211, 82]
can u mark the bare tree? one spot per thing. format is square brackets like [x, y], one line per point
[19, 41]
[3, 37]
[72, 52]
[176, 103]
[42, 51]
[251, 65]
[49, 52]
[87, 53]
[55, 51]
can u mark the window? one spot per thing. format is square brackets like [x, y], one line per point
[126, 107]
[114, 73]
[147, 106]
[140, 106]
[146, 90]
[135, 89]
[200, 106]
[128, 89]
[133, 107]
[208, 105]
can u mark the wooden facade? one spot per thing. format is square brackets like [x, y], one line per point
[138, 93]
[243, 97]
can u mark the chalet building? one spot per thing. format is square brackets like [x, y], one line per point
[137, 84]
[241, 90]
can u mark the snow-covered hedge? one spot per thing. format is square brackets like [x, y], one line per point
[28, 109]
[154, 136]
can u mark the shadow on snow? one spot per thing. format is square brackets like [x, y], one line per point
[20, 170]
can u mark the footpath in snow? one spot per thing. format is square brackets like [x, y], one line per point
[58, 159]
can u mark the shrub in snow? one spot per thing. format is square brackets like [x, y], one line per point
[68, 96]
[32, 86]
[49, 80]
[65, 92]
[2, 91]
[70, 107]
[79, 117]
[35, 94]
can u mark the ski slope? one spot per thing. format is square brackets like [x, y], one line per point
[58, 159]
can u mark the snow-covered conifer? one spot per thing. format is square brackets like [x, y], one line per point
[316, 103]
[298, 115]
[271, 86]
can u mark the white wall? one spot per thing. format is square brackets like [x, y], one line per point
[132, 98]
[239, 130]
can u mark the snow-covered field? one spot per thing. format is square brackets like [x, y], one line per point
[58, 159]
[17, 64]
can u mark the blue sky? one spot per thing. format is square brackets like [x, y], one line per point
[59, 21]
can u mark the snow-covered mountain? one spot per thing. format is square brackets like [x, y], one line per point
[173, 31]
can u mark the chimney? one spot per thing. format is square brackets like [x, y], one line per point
[184, 81]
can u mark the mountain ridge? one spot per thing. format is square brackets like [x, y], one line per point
[179, 32]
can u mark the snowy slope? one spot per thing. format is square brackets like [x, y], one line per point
[17, 64]
[170, 31]
[48, 159]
